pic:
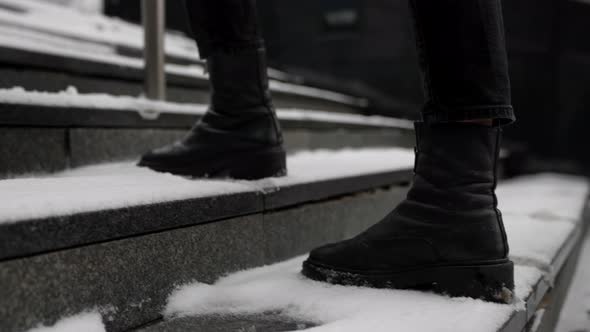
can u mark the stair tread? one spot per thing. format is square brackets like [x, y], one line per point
[102, 202]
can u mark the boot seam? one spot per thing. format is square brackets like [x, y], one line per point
[267, 102]
[495, 184]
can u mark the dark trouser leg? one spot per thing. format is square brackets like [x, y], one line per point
[239, 136]
[224, 25]
[448, 235]
[463, 59]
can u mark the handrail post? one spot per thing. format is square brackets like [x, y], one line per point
[153, 13]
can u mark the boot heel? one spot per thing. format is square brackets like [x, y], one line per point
[258, 165]
[494, 282]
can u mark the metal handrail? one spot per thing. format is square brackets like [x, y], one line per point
[153, 13]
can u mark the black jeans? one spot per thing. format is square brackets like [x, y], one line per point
[460, 43]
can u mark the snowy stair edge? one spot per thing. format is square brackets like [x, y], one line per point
[71, 108]
[69, 216]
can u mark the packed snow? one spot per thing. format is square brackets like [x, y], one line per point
[123, 184]
[87, 322]
[151, 109]
[281, 288]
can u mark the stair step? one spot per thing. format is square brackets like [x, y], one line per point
[120, 238]
[48, 132]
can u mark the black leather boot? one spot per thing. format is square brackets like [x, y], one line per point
[447, 236]
[239, 136]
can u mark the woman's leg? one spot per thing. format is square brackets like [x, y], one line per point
[448, 235]
[239, 136]
[224, 25]
[463, 59]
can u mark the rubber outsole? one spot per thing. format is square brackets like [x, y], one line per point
[244, 166]
[487, 281]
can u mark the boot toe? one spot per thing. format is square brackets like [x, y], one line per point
[151, 157]
[341, 255]
[163, 155]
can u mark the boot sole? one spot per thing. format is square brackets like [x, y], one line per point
[251, 165]
[489, 281]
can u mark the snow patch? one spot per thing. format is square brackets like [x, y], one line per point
[544, 196]
[536, 241]
[70, 98]
[87, 322]
[281, 288]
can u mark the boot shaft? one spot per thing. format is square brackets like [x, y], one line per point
[455, 180]
[238, 80]
[456, 165]
[241, 106]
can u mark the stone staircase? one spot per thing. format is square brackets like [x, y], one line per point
[83, 229]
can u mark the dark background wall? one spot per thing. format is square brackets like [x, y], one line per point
[368, 46]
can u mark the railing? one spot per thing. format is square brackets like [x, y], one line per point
[153, 13]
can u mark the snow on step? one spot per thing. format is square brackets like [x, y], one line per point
[118, 185]
[86, 321]
[540, 213]
[282, 288]
[151, 109]
[535, 241]
[544, 196]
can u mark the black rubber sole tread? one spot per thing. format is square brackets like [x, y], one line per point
[245, 166]
[492, 282]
